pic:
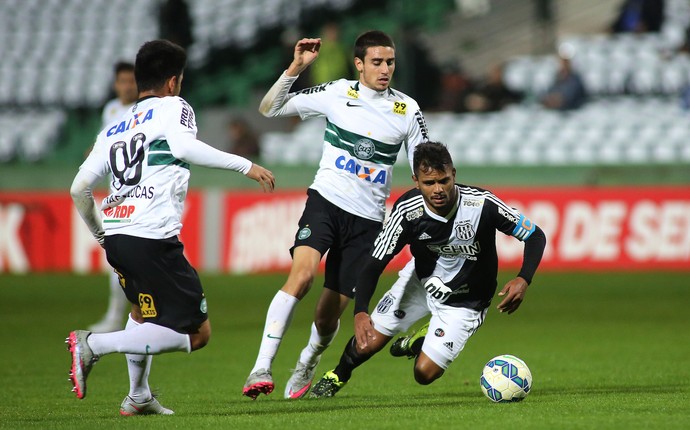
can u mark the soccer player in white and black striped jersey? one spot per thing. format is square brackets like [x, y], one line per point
[451, 230]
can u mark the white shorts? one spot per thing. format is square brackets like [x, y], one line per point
[407, 302]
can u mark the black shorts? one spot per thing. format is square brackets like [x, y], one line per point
[155, 275]
[348, 238]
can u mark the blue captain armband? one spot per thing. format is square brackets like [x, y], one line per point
[524, 228]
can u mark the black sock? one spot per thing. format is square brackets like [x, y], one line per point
[416, 346]
[349, 360]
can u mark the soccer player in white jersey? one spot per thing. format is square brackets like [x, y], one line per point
[451, 230]
[126, 94]
[148, 154]
[367, 123]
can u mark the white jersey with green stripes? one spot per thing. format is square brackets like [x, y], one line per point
[135, 152]
[365, 130]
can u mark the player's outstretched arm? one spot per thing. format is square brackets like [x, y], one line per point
[263, 176]
[513, 294]
[306, 52]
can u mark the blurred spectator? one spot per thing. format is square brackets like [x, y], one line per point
[639, 16]
[492, 94]
[125, 88]
[334, 58]
[455, 87]
[567, 92]
[243, 140]
[175, 22]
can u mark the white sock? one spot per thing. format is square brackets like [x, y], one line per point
[117, 302]
[311, 354]
[138, 367]
[146, 338]
[278, 320]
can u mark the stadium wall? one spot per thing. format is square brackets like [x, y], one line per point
[608, 228]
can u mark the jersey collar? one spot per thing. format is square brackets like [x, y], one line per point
[451, 214]
[371, 94]
[139, 101]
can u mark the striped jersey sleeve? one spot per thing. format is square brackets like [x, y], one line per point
[508, 220]
[397, 228]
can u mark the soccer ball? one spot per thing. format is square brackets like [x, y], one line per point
[506, 378]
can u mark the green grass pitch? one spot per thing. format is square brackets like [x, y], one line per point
[606, 351]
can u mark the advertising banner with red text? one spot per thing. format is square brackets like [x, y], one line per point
[612, 228]
[42, 231]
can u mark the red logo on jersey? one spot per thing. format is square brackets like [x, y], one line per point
[122, 211]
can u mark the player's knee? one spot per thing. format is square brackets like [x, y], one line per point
[326, 324]
[199, 340]
[426, 372]
[299, 282]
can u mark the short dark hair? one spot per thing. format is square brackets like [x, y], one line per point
[123, 66]
[431, 156]
[157, 61]
[371, 38]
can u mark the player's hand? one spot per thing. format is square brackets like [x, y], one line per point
[364, 331]
[306, 51]
[514, 292]
[263, 176]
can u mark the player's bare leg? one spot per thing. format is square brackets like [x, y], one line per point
[324, 329]
[425, 370]
[305, 263]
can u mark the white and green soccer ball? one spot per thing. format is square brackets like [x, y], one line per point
[506, 378]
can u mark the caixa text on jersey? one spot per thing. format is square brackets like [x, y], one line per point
[138, 118]
[362, 172]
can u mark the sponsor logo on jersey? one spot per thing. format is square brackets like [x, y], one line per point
[138, 118]
[148, 307]
[350, 104]
[394, 240]
[352, 93]
[507, 215]
[377, 176]
[472, 203]
[414, 214]
[424, 236]
[449, 345]
[464, 230]
[399, 314]
[203, 307]
[468, 252]
[316, 89]
[439, 332]
[119, 214]
[422, 124]
[384, 304]
[364, 149]
[400, 108]
[187, 116]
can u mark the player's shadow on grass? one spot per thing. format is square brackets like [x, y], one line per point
[344, 403]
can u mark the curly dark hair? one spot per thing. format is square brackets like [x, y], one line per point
[429, 156]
